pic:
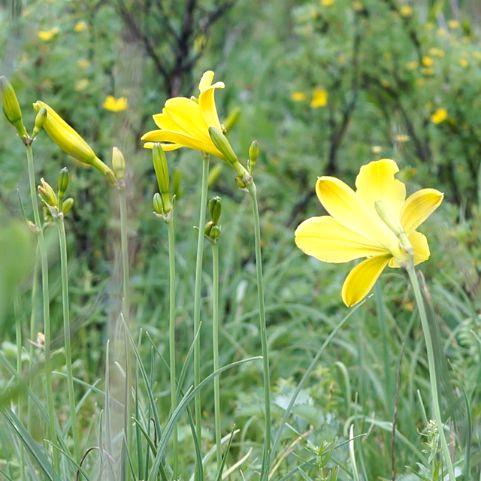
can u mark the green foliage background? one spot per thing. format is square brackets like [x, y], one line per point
[387, 66]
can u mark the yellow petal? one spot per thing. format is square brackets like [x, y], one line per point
[419, 206]
[207, 105]
[165, 121]
[376, 182]
[362, 278]
[187, 115]
[206, 81]
[178, 138]
[327, 240]
[165, 147]
[352, 212]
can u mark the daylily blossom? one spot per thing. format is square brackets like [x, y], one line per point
[375, 222]
[185, 122]
[115, 104]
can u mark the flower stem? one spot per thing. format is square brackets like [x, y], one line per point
[197, 293]
[124, 243]
[66, 327]
[215, 350]
[172, 355]
[432, 367]
[263, 335]
[33, 317]
[46, 303]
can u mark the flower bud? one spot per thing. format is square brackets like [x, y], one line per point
[39, 121]
[62, 182]
[158, 204]
[221, 142]
[232, 119]
[253, 155]
[67, 138]
[118, 163]
[47, 194]
[212, 231]
[67, 205]
[11, 107]
[161, 168]
[215, 209]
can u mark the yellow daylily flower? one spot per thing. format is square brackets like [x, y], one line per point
[406, 11]
[298, 96]
[375, 222]
[185, 122]
[80, 26]
[439, 116]
[113, 104]
[319, 98]
[67, 138]
[47, 35]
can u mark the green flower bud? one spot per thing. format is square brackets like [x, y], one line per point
[158, 204]
[232, 119]
[253, 155]
[212, 231]
[62, 182]
[118, 163]
[67, 205]
[47, 194]
[11, 107]
[39, 121]
[215, 209]
[161, 168]
[221, 142]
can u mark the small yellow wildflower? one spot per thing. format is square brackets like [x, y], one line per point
[319, 98]
[439, 116]
[402, 138]
[47, 35]
[412, 65]
[327, 3]
[298, 96]
[453, 24]
[437, 52]
[80, 26]
[427, 61]
[113, 104]
[464, 62]
[376, 222]
[406, 11]
[81, 84]
[83, 63]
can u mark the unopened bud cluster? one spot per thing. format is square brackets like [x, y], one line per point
[212, 229]
[162, 201]
[54, 202]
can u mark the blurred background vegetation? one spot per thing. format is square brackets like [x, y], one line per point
[325, 86]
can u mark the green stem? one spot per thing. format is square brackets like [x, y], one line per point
[172, 355]
[215, 351]
[18, 336]
[432, 368]
[125, 253]
[67, 339]
[33, 325]
[46, 303]
[263, 335]
[197, 293]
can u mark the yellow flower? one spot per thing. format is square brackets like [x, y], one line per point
[464, 62]
[47, 35]
[453, 24]
[298, 96]
[327, 3]
[440, 115]
[319, 98]
[69, 140]
[406, 11]
[80, 26]
[402, 138]
[428, 61]
[83, 63]
[115, 105]
[185, 122]
[437, 52]
[375, 222]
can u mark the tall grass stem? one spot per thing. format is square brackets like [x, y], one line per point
[215, 351]
[67, 334]
[432, 368]
[263, 335]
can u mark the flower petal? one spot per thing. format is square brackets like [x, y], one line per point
[362, 278]
[351, 211]
[419, 206]
[206, 82]
[183, 140]
[420, 247]
[187, 115]
[328, 241]
[165, 121]
[376, 182]
[207, 105]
